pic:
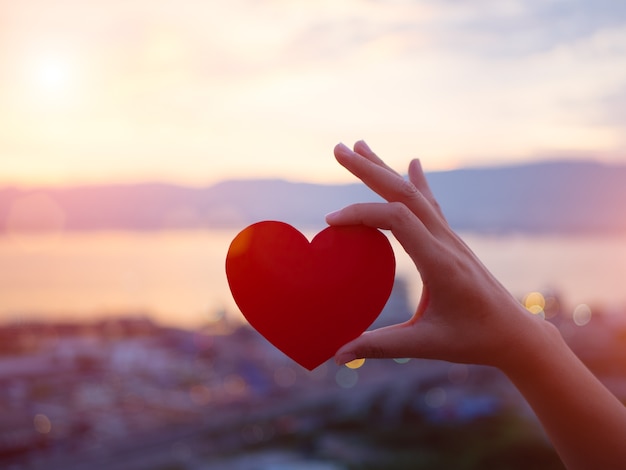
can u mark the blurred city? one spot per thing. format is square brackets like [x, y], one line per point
[127, 393]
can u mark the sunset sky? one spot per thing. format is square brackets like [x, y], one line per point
[197, 91]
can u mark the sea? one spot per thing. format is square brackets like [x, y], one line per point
[177, 278]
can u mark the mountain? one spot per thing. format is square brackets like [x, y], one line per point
[562, 197]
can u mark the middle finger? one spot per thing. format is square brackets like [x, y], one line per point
[389, 185]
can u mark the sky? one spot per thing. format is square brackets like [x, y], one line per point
[193, 92]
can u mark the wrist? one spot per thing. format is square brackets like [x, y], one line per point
[535, 342]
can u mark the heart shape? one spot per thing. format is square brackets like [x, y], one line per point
[309, 299]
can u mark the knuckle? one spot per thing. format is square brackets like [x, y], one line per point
[400, 213]
[372, 352]
[407, 189]
[359, 213]
[409, 193]
[369, 348]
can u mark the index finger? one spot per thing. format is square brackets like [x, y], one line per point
[414, 237]
[390, 185]
[364, 150]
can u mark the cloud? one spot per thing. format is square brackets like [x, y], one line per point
[506, 28]
[611, 109]
[147, 81]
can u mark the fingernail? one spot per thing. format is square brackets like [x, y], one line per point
[364, 144]
[330, 217]
[344, 358]
[343, 149]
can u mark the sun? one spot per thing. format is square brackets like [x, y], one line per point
[53, 78]
[53, 73]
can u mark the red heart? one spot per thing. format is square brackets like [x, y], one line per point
[309, 299]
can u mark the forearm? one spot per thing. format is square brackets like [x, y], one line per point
[466, 315]
[585, 422]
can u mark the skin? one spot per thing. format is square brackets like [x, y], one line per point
[465, 315]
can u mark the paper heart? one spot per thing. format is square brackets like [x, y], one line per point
[309, 299]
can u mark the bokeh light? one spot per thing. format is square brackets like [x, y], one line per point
[285, 376]
[235, 386]
[581, 315]
[254, 433]
[200, 394]
[435, 397]
[319, 373]
[535, 303]
[42, 424]
[458, 374]
[346, 378]
[355, 364]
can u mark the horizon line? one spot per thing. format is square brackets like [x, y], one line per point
[129, 182]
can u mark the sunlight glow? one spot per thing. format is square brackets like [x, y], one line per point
[238, 88]
[53, 78]
[53, 74]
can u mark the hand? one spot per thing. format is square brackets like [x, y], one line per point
[464, 315]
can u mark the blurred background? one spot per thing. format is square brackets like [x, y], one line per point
[138, 138]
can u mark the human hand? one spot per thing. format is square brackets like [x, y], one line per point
[464, 315]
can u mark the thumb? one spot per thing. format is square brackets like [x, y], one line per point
[395, 341]
[384, 343]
